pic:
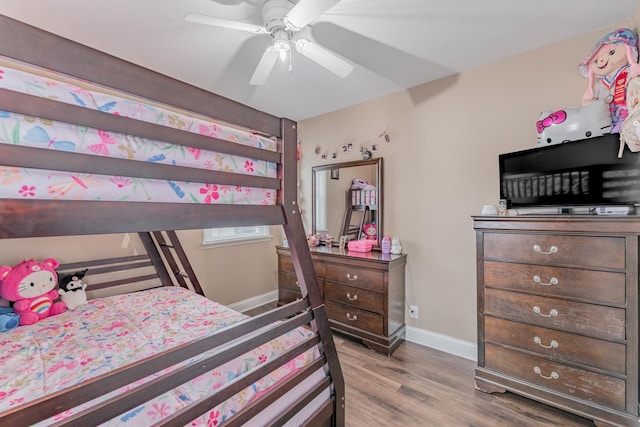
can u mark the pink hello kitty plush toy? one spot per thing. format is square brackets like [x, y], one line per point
[370, 231]
[31, 286]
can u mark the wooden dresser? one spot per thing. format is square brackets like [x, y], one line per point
[558, 312]
[364, 293]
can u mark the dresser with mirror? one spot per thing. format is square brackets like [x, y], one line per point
[341, 207]
[364, 291]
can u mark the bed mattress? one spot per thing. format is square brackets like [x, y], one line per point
[29, 183]
[108, 333]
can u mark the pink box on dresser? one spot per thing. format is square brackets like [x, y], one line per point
[360, 245]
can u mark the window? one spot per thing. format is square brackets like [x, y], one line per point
[234, 235]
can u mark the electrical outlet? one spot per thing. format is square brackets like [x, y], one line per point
[413, 311]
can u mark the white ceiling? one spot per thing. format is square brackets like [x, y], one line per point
[393, 44]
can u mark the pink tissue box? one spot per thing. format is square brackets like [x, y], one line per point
[360, 245]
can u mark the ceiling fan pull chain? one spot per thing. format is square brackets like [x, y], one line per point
[290, 62]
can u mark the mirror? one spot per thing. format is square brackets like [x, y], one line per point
[338, 209]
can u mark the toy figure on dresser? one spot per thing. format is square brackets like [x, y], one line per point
[370, 231]
[396, 247]
[342, 242]
[386, 245]
[313, 240]
[610, 65]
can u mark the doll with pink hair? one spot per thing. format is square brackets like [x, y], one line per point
[609, 67]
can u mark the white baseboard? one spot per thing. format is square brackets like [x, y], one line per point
[253, 302]
[465, 349]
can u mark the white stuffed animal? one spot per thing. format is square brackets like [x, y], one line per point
[72, 289]
[396, 247]
[572, 124]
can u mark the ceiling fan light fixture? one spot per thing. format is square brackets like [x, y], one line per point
[282, 48]
[281, 43]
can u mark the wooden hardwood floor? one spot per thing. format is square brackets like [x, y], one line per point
[420, 386]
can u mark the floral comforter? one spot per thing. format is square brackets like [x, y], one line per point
[47, 134]
[108, 333]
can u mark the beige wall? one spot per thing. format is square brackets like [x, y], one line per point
[441, 165]
[230, 274]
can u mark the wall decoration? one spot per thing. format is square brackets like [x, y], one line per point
[365, 153]
[367, 148]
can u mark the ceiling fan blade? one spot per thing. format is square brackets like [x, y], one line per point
[264, 67]
[224, 23]
[306, 11]
[324, 57]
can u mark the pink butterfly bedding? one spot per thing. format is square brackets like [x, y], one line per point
[108, 333]
[43, 184]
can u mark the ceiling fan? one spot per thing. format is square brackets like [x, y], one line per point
[282, 19]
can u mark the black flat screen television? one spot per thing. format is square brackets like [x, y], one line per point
[578, 173]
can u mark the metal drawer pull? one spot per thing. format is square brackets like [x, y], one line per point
[553, 281]
[552, 250]
[554, 375]
[355, 277]
[552, 344]
[552, 313]
[355, 317]
[352, 298]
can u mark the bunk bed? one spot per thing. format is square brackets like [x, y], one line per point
[91, 145]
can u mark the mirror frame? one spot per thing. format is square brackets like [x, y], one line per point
[377, 162]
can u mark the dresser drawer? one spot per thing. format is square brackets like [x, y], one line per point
[589, 285]
[288, 281]
[357, 277]
[355, 317]
[285, 263]
[356, 297]
[581, 383]
[593, 320]
[587, 251]
[605, 355]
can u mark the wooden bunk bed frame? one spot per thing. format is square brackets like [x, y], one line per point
[41, 218]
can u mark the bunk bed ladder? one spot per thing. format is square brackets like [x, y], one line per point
[174, 256]
[367, 214]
